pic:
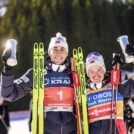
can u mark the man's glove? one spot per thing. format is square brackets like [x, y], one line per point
[117, 59]
[6, 54]
[129, 49]
[8, 70]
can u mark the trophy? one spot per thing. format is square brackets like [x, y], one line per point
[123, 41]
[11, 44]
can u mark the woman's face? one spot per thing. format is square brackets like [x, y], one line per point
[96, 74]
[58, 55]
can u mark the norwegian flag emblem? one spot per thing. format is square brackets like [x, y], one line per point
[92, 61]
[57, 41]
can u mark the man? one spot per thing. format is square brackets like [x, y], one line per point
[59, 94]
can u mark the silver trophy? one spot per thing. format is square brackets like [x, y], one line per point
[11, 44]
[123, 41]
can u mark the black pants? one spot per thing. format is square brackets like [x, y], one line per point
[60, 123]
[102, 127]
[3, 129]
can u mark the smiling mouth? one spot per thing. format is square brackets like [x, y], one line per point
[98, 78]
[58, 59]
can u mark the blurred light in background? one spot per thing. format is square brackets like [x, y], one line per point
[3, 8]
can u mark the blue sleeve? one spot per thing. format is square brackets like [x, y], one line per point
[126, 88]
[12, 89]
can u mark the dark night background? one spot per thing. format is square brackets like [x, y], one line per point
[94, 25]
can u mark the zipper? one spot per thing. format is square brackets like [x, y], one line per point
[62, 129]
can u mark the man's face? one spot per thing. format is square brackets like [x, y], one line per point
[96, 74]
[58, 54]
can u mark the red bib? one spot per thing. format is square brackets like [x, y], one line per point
[59, 99]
